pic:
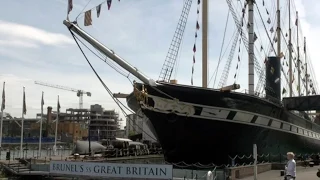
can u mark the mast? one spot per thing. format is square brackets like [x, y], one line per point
[109, 53]
[251, 48]
[306, 65]
[290, 53]
[278, 29]
[205, 43]
[298, 48]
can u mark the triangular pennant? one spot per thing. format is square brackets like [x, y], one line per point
[198, 26]
[87, 18]
[109, 4]
[98, 10]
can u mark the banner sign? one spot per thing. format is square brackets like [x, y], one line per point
[116, 170]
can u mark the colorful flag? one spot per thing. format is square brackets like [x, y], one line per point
[70, 6]
[109, 4]
[24, 108]
[3, 104]
[87, 18]
[194, 48]
[98, 10]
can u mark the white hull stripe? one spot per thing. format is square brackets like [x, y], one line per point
[237, 116]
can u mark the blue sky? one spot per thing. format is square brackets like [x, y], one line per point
[36, 46]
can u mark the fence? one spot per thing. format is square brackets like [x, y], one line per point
[34, 153]
[13, 140]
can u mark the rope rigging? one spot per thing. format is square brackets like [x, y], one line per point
[105, 86]
[172, 55]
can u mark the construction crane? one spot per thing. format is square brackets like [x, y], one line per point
[80, 93]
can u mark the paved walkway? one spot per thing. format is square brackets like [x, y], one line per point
[309, 173]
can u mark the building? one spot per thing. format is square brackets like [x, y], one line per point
[104, 124]
[73, 125]
[139, 124]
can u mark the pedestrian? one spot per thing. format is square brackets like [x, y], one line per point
[290, 168]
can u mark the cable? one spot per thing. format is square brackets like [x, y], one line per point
[223, 40]
[83, 9]
[104, 85]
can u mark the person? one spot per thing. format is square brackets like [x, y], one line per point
[290, 168]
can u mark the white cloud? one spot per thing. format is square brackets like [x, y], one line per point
[27, 36]
[18, 43]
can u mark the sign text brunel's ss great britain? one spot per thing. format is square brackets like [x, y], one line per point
[155, 171]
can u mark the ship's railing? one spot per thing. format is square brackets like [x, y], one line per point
[245, 160]
[276, 101]
[302, 115]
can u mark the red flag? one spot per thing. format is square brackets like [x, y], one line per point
[87, 18]
[70, 6]
[109, 4]
[194, 48]
[194, 59]
[198, 26]
[3, 104]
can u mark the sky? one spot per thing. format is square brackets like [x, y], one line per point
[36, 46]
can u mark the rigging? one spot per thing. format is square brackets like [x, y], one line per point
[260, 72]
[171, 58]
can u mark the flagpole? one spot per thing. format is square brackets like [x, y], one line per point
[41, 119]
[56, 131]
[22, 122]
[2, 113]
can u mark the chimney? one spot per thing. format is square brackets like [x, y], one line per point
[49, 120]
[49, 114]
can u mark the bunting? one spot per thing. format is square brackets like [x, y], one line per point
[98, 10]
[87, 18]
[195, 40]
[3, 104]
[70, 6]
[109, 4]
[88, 13]
[255, 36]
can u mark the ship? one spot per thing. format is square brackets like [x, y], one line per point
[201, 125]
